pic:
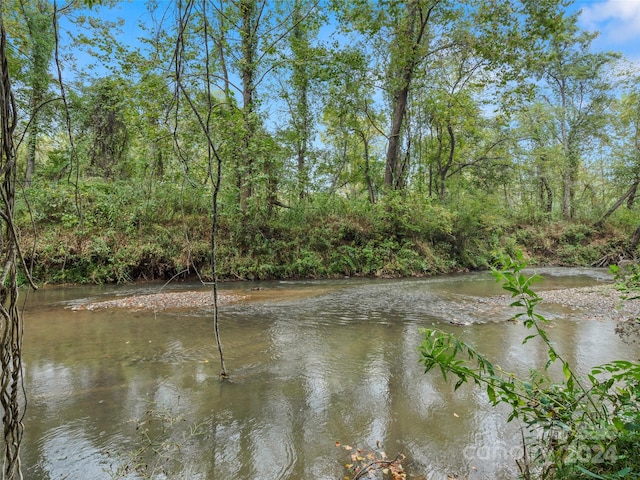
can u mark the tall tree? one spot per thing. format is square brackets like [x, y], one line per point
[576, 90]
[297, 92]
[38, 18]
[410, 31]
[543, 167]
[626, 153]
[449, 102]
[351, 123]
[413, 34]
[250, 12]
[107, 125]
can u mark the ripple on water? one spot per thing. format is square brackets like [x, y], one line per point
[68, 452]
[274, 452]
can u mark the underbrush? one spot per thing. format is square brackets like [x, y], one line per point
[570, 244]
[105, 232]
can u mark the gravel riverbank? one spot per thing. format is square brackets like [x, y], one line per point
[163, 301]
[598, 302]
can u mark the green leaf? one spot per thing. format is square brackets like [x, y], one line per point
[590, 474]
[491, 393]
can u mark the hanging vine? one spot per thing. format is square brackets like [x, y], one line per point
[12, 395]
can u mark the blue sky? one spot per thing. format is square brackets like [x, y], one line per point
[618, 22]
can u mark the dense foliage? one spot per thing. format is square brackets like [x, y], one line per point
[257, 139]
[348, 138]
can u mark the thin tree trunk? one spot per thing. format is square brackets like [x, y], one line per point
[619, 202]
[212, 154]
[635, 238]
[631, 200]
[367, 170]
[31, 152]
[300, 85]
[248, 47]
[546, 195]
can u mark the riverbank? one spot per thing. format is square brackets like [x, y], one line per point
[119, 239]
[599, 302]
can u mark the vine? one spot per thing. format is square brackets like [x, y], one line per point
[12, 395]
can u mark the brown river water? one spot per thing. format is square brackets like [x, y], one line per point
[311, 363]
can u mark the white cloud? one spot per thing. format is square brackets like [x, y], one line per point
[618, 21]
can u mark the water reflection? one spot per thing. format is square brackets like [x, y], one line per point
[312, 363]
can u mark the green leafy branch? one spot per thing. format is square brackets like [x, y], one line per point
[574, 424]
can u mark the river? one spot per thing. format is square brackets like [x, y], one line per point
[311, 363]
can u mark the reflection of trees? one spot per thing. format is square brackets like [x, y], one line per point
[303, 379]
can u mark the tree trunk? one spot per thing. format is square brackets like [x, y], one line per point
[31, 152]
[12, 399]
[38, 19]
[248, 47]
[300, 85]
[631, 200]
[635, 238]
[393, 170]
[546, 195]
[411, 28]
[631, 191]
[367, 170]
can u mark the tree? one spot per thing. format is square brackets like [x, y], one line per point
[107, 125]
[541, 163]
[297, 92]
[627, 153]
[204, 112]
[250, 18]
[410, 36]
[400, 28]
[578, 95]
[407, 51]
[38, 18]
[351, 123]
[449, 105]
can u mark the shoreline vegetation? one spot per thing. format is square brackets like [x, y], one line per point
[125, 235]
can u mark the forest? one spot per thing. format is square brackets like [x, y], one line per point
[258, 139]
[327, 138]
